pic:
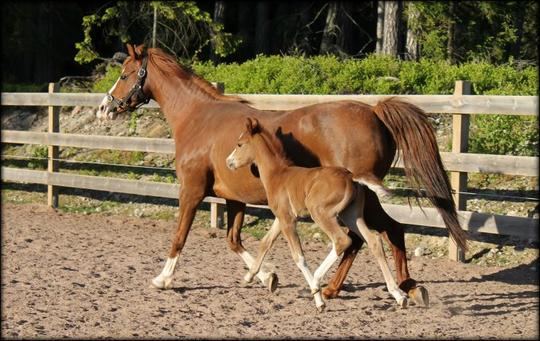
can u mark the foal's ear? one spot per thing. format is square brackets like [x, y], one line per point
[252, 125]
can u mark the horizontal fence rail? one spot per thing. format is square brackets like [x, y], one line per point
[449, 104]
[461, 162]
[458, 162]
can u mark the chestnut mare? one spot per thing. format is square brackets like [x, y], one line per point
[349, 134]
[322, 192]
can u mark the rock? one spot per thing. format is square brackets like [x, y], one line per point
[419, 251]
[317, 236]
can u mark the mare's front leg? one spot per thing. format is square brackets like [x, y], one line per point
[235, 219]
[190, 198]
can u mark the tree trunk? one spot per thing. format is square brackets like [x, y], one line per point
[450, 45]
[330, 29]
[380, 26]
[391, 28]
[262, 28]
[219, 15]
[412, 45]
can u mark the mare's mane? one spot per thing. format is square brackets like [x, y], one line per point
[168, 66]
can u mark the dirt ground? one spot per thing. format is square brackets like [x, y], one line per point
[74, 275]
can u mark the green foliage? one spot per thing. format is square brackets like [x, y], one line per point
[182, 28]
[104, 84]
[371, 75]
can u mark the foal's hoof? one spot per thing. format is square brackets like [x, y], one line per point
[402, 302]
[420, 296]
[160, 283]
[272, 282]
[248, 278]
[321, 308]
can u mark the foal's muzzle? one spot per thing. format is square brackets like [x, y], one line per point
[231, 164]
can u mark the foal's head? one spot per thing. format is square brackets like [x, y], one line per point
[246, 149]
[244, 153]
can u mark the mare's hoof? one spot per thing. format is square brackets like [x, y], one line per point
[328, 293]
[272, 282]
[161, 283]
[420, 296]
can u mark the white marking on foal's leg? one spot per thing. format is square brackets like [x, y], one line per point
[380, 190]
[164, 280]
[263, 275]
[325, 266]
[315, 290]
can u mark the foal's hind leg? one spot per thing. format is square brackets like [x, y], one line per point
[352, 216]
[340, 242]
[190, 198]
[235, 219]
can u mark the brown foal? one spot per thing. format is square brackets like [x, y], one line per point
[322, 192]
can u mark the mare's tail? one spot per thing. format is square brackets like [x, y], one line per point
[414, 135]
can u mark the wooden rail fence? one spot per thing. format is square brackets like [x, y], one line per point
[461, 104]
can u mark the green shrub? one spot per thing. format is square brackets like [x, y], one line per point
[111, 76]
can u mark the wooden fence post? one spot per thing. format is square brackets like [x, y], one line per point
[458, 180]
[53, 151]
[217, 211]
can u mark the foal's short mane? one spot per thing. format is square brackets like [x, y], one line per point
[168, 66]
[275, 146]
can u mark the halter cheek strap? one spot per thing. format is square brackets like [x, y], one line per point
[137, 91]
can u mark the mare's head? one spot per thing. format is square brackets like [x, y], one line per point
[130, 90]
[244, 153]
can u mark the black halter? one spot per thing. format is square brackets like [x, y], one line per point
[137, 91]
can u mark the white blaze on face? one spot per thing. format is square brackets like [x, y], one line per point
[231, 159]
[103, 110]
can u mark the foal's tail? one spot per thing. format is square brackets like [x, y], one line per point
[414, 135]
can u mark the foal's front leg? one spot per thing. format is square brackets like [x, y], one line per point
[265, 245]
[235, 219]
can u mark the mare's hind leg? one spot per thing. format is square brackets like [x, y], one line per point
[235, 219]
[352, 216]
[190, 198]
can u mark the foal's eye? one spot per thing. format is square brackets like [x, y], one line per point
[123, 77]
[239, 145]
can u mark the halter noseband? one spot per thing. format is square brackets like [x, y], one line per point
[136, 90]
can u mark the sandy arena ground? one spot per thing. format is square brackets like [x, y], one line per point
[73, 275]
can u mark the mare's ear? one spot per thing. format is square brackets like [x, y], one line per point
[252, 125]
[131, 50]
[140, 50]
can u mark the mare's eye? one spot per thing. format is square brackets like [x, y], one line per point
[123, 77]
[239, 145]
